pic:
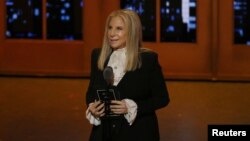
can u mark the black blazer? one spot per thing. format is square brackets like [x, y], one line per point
[146, 86]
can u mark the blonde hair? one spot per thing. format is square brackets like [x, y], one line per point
[133, 42]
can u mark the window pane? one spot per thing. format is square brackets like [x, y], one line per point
[24, 19]
[64, 19]
[147, 12]
[178, 20]
[241, 22]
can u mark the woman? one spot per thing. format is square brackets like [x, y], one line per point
[137, 77]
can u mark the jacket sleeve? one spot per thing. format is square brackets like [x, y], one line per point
[90, 95]
[158, 90]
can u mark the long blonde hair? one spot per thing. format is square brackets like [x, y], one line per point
[133, 42]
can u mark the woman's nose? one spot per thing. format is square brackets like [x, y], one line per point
[111, 32]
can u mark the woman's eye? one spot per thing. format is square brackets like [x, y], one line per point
[119, 28]
[109, 27]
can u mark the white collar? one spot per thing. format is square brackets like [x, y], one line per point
[120, 50]
[118, 62]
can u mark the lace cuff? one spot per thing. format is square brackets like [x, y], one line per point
[92, 119]
[132, 111]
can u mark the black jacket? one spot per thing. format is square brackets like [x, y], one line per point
[146, 86]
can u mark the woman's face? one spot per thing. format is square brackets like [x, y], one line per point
[117, 33]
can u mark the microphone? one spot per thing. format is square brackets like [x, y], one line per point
[108, 75]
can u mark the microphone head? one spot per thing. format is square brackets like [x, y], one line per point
[108, 75]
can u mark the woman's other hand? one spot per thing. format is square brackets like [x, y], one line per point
[118, 107]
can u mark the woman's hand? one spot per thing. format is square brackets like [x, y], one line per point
[97, 109]
[118, 107]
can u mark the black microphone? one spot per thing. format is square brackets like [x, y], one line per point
[108, 75]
